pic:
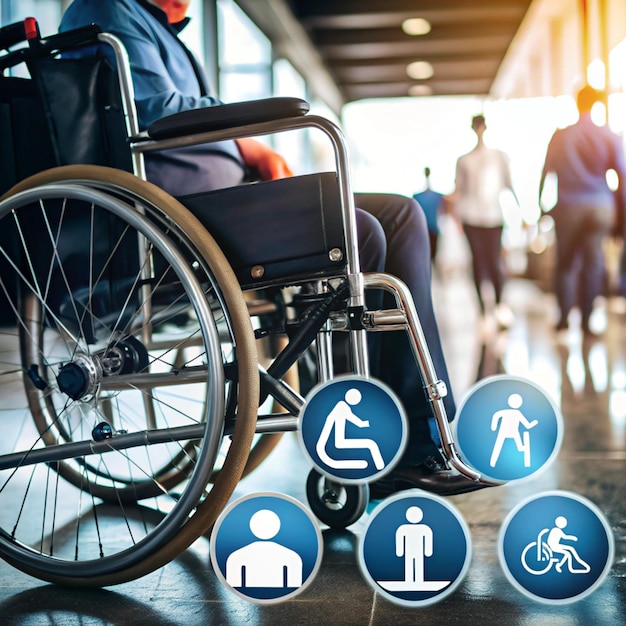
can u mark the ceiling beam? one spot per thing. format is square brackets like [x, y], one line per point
[483, 69]
[468, 86]
[475, 43]
[381, 35]
[445, 58]
[387, 13]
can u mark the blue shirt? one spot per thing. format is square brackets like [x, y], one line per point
[430, 201]
[166, 80]
[580, 155]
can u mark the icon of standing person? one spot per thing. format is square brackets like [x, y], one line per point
[507, 422]
[414, 541]
[264, 563]
[555, 536]
[336, 423]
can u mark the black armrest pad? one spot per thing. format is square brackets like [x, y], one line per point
[226, 116]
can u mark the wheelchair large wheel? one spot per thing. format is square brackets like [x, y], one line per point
[123, 351]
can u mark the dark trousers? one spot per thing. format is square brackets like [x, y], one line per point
[393, 238]
[486, 247]
[580, 266]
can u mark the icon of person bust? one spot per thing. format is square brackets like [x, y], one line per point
[264, 563]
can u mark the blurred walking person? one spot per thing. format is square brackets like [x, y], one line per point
[482, 175]
[580, 156]
[431, 202]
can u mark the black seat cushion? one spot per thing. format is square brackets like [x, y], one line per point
[284, 229]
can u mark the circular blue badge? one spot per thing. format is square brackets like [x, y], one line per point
[556, 547]
[507, 428]
[266, 547]
[353, 428]
[416, 549]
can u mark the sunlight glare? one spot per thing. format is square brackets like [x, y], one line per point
[598, 114]
[596, 74]
[612, 180]
[566, 111]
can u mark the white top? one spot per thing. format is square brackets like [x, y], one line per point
[481, 176]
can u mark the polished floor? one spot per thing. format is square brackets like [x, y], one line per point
[586, 377]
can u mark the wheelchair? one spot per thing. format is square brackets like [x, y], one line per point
[133, 394]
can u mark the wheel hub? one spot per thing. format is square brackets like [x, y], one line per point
[80, 379]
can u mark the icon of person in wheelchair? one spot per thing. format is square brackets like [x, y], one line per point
[539, 556]
[335, 423]
[353, 428]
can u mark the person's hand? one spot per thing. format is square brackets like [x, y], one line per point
[269, 164]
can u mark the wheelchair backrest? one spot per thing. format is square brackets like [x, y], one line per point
[272, 233]
[25, 143]
[68, 112]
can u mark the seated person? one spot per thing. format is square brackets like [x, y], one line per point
[391, 229]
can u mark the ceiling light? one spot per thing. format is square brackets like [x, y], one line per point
[420, 70]
[416, 26]
[420, 90]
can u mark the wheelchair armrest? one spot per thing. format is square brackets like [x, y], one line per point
[227, 116]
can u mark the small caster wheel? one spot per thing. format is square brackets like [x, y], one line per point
[333, 503]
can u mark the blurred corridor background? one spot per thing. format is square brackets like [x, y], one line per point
[403, 79]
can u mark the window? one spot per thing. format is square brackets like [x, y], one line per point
[297, 144]
[244, 56]
[248, 71]
[47, 12]
[192, 34]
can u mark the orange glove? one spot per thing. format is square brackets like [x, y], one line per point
[268, 163]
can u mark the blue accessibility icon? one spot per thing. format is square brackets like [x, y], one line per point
[556, 547]
[416, 549]
[508, 428]
[353, 429]
[266, 547]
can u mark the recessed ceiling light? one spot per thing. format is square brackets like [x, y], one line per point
[420, 70]
[420, 90]
[416, 26]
